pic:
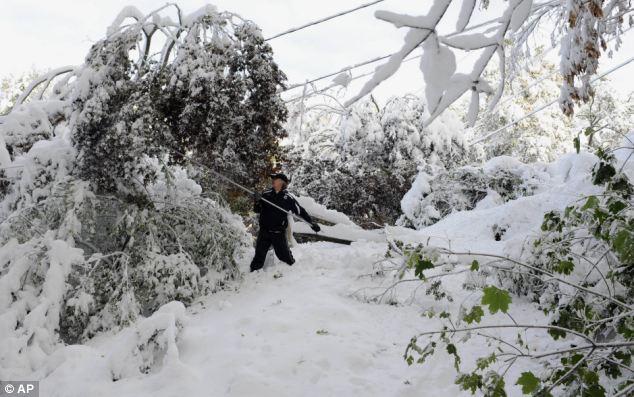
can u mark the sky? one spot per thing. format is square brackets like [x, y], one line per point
[45, 34]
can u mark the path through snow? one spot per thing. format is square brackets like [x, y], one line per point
[296, 335]
[303, 334]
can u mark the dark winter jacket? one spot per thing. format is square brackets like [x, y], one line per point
[271, 218]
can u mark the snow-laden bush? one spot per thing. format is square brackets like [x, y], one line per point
[592, 243]
[104, 219]
[362, 163]
[150, 344]
[577, 270]
[431, 198]
[99, 262]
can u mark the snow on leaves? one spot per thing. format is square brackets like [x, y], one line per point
[588, 25]
[100, 226]
[443, 85]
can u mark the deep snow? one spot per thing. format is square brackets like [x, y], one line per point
[290, 331]
[310, 330]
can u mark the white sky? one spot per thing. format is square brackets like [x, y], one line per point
[50, 33]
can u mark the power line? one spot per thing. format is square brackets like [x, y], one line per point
[539, 109]
[322, 20]
[355, 66]
[412, 58]
[550, 74]
[377, 59]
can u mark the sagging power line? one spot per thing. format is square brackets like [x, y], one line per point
[540, 108]
[322, 20]
[377, 59]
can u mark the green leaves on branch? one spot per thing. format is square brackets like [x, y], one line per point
[603, 172]
[565, 267]
[475, 315]
[529, 382]
[623, 245]
[419, 263]
[496, 299]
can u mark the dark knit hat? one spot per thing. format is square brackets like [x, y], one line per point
[279, 175]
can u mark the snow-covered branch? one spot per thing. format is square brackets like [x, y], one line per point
[589, 24]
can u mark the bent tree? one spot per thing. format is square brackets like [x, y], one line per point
[103, 215]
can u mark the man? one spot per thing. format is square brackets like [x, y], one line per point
[273, 222]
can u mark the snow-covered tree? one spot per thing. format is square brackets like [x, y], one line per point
[546, 135]
[606, 119]
[541, 137]
[362, 162]
[583, 27]
[12, 86]
[104, 218]
[211, 97]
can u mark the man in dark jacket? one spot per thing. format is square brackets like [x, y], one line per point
[273, 222]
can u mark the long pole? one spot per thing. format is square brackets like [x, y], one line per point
[246, 189]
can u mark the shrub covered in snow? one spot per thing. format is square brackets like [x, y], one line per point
[362, 163]
[150, 344]
[576, 270]
[460, 189]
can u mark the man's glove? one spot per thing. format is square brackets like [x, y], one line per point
[315, 227]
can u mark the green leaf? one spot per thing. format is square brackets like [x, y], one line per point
[495, 385]
[451, 349]
[577, 143]
[565, 267]
[616, 206]
[419, 264]
[600, 215]
[529, 382]
[603, 173]
[471, 382]
[625, 327]
[484, 362]
[475, 266]
[413, 259]
[623, 244]
[475, 314]
[592, 202]
[497, 299]
[557, 333]
[594, 390]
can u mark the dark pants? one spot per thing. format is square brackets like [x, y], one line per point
[264, 242]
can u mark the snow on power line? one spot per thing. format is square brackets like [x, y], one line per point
[540, 108]
[580, 49]
[325, 19]
[378, 59]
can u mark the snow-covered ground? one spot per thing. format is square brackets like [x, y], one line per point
[309, 330]
[289, 331]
